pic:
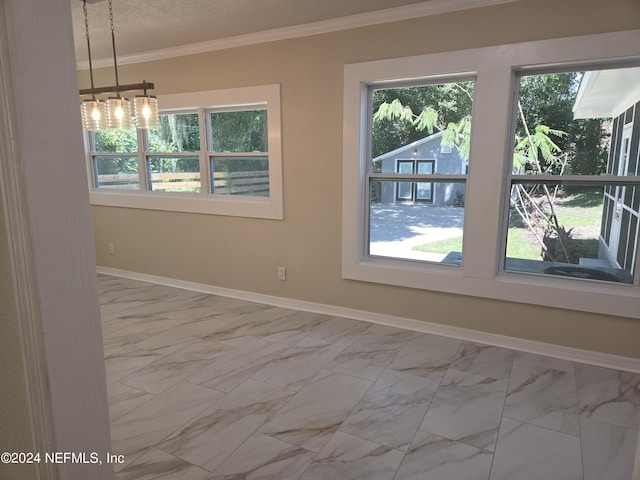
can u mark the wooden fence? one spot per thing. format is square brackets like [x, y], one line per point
[255, 183]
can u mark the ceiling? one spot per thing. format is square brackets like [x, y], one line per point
[146, 26]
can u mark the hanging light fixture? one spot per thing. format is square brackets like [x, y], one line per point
[116, 111]
[146, 108]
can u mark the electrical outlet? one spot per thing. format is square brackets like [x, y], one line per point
[282, 273]
[111, 248]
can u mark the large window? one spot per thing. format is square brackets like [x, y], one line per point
[214, 152]
[541, 204]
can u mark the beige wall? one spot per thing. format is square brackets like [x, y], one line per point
[243, 253]
[15, 423]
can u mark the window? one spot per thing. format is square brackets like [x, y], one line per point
[419, 143]
[216, 152]
[238, 152]
[173, 163]
[587, 190]
[564, 218]
[115, 162]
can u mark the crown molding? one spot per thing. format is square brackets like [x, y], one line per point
[424, 9]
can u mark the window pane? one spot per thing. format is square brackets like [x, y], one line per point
[116, 172]
[430, 122]
[417, 230]
[594, 237]
[240, 175]
[177, 133]
[174, 175]
[575, 123]
[115, 141]
[242, 131]
[417, 132]
[565, 123]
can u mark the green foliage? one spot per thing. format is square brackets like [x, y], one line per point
[243, 131]
[529, 149]
[176, 133]
[396, 123]
[116, 141]
[548, 100]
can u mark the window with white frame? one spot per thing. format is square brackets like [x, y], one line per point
[216, 152]
[550, 194]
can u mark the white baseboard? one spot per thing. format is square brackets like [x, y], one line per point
[557, 351]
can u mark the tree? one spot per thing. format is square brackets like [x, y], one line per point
[437, 107]
[548, 100]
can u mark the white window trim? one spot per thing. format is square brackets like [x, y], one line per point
[244, 206]
[494, 69]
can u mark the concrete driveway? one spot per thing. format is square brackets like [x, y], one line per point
[396, 228]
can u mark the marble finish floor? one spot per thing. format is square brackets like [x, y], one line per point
[203, 387]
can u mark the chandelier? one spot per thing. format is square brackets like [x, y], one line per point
[116, 111]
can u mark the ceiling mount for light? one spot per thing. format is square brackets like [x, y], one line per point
[98, 114]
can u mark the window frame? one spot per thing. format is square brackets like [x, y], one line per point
[205, 202]
[481, 274]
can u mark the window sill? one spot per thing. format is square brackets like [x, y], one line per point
[239, 206]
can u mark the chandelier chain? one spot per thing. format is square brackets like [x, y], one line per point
[113, 44]
[86, 26]
[111, 15]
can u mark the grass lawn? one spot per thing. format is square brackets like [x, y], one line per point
[581, 212]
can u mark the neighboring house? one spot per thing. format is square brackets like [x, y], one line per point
[616, 94]
[424, 156]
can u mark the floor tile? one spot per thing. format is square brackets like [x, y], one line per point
[151, 422]
[186, 332]
[293, 327]
[264, 458]
[542, 391]
[426, 356]
[332, 329]
[346, 457]
[211, 436]
[316, 412]
[122, 399]
[158, 465]
[294, 367]
[528, 452]
[371, 351]
[392, 409]
[431, 457]
[484, 360]
[608, 451]
[235, 366]
[171, 369]
[122, 361]
[609, 395]
[467, 408]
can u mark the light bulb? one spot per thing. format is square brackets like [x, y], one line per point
[119, 112]
[95, 113]
[146, 111]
